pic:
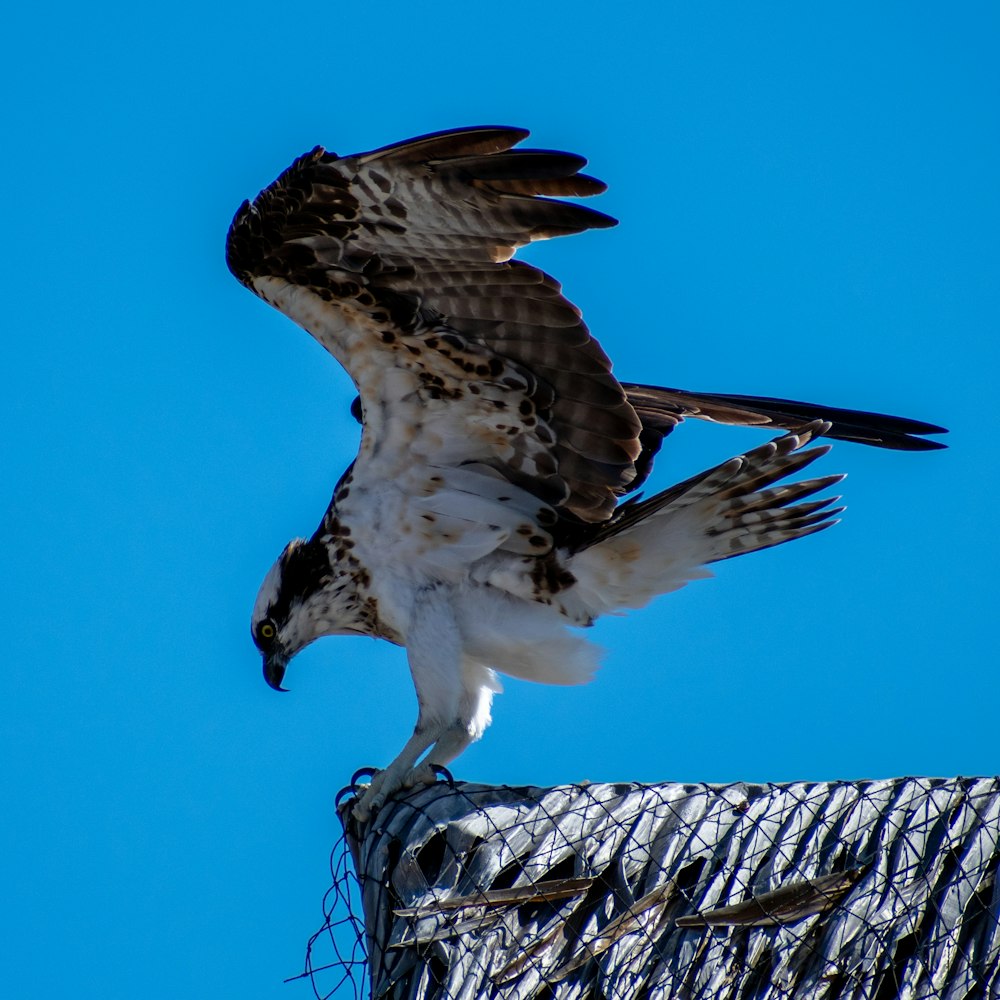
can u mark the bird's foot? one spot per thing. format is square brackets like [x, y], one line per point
[372, 798]
[391, 780]
[427, 773]
[383, 784]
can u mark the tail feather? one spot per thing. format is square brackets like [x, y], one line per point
[657, 545]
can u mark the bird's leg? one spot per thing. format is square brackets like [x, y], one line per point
[451, 743]
[392, 778]
[434, 653]
[479, 683]
[448, 746]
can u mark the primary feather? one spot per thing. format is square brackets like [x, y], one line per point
[483, 516]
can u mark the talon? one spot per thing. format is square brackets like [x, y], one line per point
[354, 788]
[363, 810]
[360, 773]
[374, 795]
[441, 771]
[342, 794]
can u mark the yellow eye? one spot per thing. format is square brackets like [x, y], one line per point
[267, 631]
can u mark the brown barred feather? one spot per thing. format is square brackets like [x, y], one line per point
[422, 231]
[740, 480]
[580, 186]
[426, 227]
[449, 142]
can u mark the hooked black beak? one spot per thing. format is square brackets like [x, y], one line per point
[274, 670]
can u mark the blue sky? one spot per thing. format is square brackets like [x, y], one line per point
[809, 207]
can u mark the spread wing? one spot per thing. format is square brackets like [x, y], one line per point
[660, 410]
[467, 363]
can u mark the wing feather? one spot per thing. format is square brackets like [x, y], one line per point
[400, 259]
[661, 409]
[449, 142]
[398, 262]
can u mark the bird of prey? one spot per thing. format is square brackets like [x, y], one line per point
[485, 520]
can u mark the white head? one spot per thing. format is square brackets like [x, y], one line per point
[304, 596]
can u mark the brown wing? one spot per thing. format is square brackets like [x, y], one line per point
[420, 234]
[661, 410]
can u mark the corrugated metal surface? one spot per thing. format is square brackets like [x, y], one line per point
[821, 890]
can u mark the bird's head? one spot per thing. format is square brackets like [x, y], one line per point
[302, 598]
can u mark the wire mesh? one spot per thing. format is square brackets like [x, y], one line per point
[336, 960]
[868, 889]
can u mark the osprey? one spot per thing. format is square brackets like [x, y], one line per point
[483, 518]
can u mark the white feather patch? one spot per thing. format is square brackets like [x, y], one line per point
[523, 639]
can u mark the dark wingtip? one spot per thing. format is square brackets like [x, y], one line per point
[901, 441]
[923, 444]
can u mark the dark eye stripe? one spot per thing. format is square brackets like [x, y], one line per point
[304, 568]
